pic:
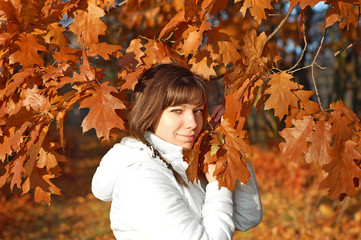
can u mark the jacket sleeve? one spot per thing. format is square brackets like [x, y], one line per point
[247, 203]
[154, 207]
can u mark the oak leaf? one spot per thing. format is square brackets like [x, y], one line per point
[281, 95]
[257, 8]
[202, 65]
[224, 44]
[295, 145]
[104, 50]
[35, 100]
[342, 171]
[230, 167]
[191, 10]
[212, 6]
[27, 55]
[172, 24]
[17, 170]
[88, 25]
[320, 150]
[56, 35]
[102, 116]
[66, 54]
[194, 38]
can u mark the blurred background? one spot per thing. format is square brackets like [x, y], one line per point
[293, 206]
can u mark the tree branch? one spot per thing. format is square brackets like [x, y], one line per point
[345, 48]
[279, 26]
[303, 51]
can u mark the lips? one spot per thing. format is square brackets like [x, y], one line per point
[187, 137]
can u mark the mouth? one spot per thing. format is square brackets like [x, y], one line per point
[189, 138]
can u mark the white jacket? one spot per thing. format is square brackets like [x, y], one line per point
[148, 203]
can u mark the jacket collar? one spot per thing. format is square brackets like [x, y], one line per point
[169, 151]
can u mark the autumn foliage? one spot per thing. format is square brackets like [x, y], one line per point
[48, 55]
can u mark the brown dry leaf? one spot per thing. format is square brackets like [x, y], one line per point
[102, 116]
[193, 38]
[212, 6]
[281, 95]
[18, 79]
[103, 50]
[253, 49]
[257, 8]
[342, 171]
[192, 156]
[306, 107]
[35, 100]
[27, 55]
[67, 54]
[5, 146]
[88, 25]
[56, 35]
[233, 138]
[295, 145]
[17, 170]
[172, 24]
[230, 167]
[191, 10]
[224, 44]
[132, 57]
[46, 159]
[55, 73]
[303, 3]
[203, 65]
[131, 78]
[320, 150]
[154, 53]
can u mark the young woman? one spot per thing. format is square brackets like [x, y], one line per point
[144, 175]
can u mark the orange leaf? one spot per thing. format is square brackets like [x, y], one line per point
[88, 25]
[296, 138]
[46, 159]
[281, 96]
[320, 150]
[202, 65]
[194, 38]
[230, 167]
[342, 172]
[27, 55]
[17, 169]
[253, 48]
[257, 8]
[55, 35]
[172, 24]
[224, 44]
[102, 115]
[103, 50]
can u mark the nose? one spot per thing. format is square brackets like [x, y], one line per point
[191, 121]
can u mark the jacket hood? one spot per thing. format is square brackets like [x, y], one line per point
[126, 153]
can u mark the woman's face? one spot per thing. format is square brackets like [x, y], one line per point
[180, 125]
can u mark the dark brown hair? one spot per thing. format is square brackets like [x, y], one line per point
[159, 87]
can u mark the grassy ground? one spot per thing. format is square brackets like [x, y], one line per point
[293, 207]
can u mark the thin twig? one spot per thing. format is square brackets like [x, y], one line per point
[345, 48]
[122, 3]
[312, 69]
[279, 26]
[303, 51]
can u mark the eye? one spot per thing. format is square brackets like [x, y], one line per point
[198, 111]
[178, 111]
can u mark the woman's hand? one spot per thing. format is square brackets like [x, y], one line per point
[216, 115]
[209, 173]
